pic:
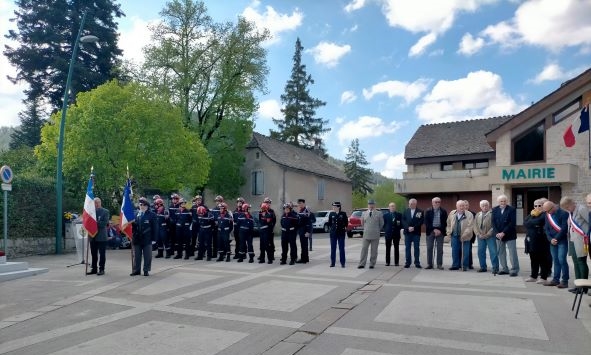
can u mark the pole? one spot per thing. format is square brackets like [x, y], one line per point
[60, 145]
[6, 223]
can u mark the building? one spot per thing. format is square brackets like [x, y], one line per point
[285, 173]
[524, 156]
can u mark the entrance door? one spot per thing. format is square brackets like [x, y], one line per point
[524, 197]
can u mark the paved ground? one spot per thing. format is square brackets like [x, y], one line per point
[197, 307]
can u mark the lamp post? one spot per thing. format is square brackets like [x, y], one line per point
[60, 144]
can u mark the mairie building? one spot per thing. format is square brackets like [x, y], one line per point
[536, 153]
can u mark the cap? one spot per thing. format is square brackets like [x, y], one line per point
[287, 205]
[301, 200]
[336, 204]
[143, 201]
[267, 200]
[371, 202]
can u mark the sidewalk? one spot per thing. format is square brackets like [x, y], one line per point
[198, 307]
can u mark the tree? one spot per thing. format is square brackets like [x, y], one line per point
[115, 126]
[46, 31]
[300, 126]
[29, 132]
[355, 169]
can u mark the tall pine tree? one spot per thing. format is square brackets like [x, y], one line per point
[299, 125]
[46, 31]
[29, 132]
[356, 169]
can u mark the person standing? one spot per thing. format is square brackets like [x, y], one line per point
[578, 225]
[337, 226]
[556, 229]
[145, 229]
[484, 233]
[392, 227]
[460, 228]
[206, 226]
[98, 243]
[236, 215]
[265, 232]
[161, 217]
[246, 223]
[435, 225]
[538, 245]
[225, 224]
[412, 220]
[503, 223]
[372, 222]
[289, 224]
[304, 229]
[173, 210]
[268, 201]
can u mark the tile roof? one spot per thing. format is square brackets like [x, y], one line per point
[294, 157]
[452, 138]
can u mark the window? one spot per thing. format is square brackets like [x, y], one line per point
[447, 166]
[566, 111]
[258, 183]
[529, 147]
[321, 185]
[475, 164]
[257, 155]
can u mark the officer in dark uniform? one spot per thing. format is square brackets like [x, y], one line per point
[173, 210]
[304, 229]
[272, 232]
[337, 225]
[216, 212]
[236, 214]
[265, 233]
[183, 227]
[206, 226]
[392, 228]
[246, 225]
[289, 232]
[162, 219]
[197, 201]
[225, 225]
[145, 229]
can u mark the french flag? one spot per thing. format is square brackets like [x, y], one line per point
[89, 214]
[126, 215]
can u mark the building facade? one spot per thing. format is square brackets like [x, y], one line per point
[538, 152]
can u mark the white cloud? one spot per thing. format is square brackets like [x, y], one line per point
[354, 5]
[379, 157]
[427, 16]
[275, 22]
[366, 126]
[329, 54]
[553, 71]
[269, 109]
[479, 94]
[394, 167]
[339, 120]
[135, 38]
[470, 45]
[348, 97]
[393, 88]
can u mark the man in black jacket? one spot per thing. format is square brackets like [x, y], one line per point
[412, 220]
[392, 227]
[503, 223]
[98, 243]
[436, 224]
[145, 228]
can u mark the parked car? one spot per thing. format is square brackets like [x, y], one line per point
[354, 226]
[321, 221]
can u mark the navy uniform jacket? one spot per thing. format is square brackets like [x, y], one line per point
[560, 217]
[430, 214]
[306, 219]
[206, 223]
[504, 223]
[289, 224]
[337, 222]
[266, 221]
[392, 224]
[173, 210]
[102, 220]
[225, 223]
[145, 228]
[415, 221]
[246, 223]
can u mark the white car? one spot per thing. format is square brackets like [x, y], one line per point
[321, 221]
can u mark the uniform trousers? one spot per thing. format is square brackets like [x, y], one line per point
[245, 236]
[304, 245]
[288, 243]
[139, 251]
[204, 243]
[373, 257]
[337, 238]
[393, 241]
[161, 238]
[265, 246]
[224, 242]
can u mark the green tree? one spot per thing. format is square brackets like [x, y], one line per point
[29, 132]
[115, 126]
[356, 169]
[46, 31]
[299, 125]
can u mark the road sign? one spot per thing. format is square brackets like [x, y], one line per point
[6, 187]
[6, 174]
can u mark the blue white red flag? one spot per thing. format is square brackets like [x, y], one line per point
[89, 214]
[575, 227]
[127, 216]
[553, 223]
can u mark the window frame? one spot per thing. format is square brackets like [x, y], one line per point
[256, 176]
[542, 124]
[567, 110]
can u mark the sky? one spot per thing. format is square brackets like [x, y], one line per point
[385, 67]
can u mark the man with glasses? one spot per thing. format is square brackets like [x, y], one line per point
[436, 225]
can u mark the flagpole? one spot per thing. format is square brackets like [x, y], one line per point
[131, 239]
[87, 235]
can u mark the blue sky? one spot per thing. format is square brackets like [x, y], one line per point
[385, 67]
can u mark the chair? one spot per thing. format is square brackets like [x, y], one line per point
[581, 286]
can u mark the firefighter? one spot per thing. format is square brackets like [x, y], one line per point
[265, 232]
[173, 210]
[206, 226]
[162, 219]
[289, 225]
[268, 201]
[237, 213]
[246, 223]
[225, 224]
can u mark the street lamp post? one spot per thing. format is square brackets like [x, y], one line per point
[60, 144]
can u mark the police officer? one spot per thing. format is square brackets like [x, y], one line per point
[337, 224]
[206, 226]
[144, 229]
[268, 201]
[225, 224]
[289, 225]
[304, 229]
[265, 233]
[173, 210]
[237, 213]
[162, 219]
[246, 224]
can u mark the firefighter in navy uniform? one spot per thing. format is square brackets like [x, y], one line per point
[237, 213]
[265, 232]
[173, 210]
[206, 226]
[162, 219]
[246, 225]
[197, 201]
[304, 229]
[183, 232]
[225, 225]
[216, 212]
[289, 232]
[272, 231]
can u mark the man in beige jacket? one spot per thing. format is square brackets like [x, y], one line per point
[460, 229]
[372, 222]
[484, 234]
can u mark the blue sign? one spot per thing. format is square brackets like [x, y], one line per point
[6, 174]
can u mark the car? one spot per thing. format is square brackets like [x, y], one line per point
[354, 226]
[321, 221]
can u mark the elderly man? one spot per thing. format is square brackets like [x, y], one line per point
[436, 225]
[412, 219]
[372, 222]
[460, 229]
[98, 243]
[556, 229]
[392, 227]
[503, 222]
[578, 226]
[484, 234]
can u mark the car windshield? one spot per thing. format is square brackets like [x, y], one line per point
[321, 214]
[356, 213]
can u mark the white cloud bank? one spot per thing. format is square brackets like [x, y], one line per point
[365, 127]
[328, 53]
[393, 88]
[272, 20]
[553, 72]
[269, 109]
[348, 97]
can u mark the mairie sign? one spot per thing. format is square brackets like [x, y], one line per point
[508, 174]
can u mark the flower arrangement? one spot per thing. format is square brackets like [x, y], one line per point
[69, 216]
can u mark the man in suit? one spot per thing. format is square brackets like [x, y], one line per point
[436, 225]
[145, 229]
[372, 222]
[98, 244]
[556, 229]
[412, 220]
[577, 231]
[503, 223]
[392, 227]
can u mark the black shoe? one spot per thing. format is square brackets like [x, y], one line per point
[513, 274]
[168, 254]
[146, 273]
[387, 264]
[178, 256]
[134, 273]
[100, 273]
[236, 256]
[251, 259]
[454, 268]
[464, 269]
[418, 266]
[331, 265]
[342, 265]
[361, 267]
[292, 262]
[261, 261]
[471, 267]
[160, 254]
[282, 262]
[481, 270]
[301, 261]
[439, 267]
[396, 265]
[371, 266]
[429, 267]
[186, 257]
[198, 257]
[239, 260]
[228, 258]
[503, 273]
[270, 261]
[572, 290]
[406, 266]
